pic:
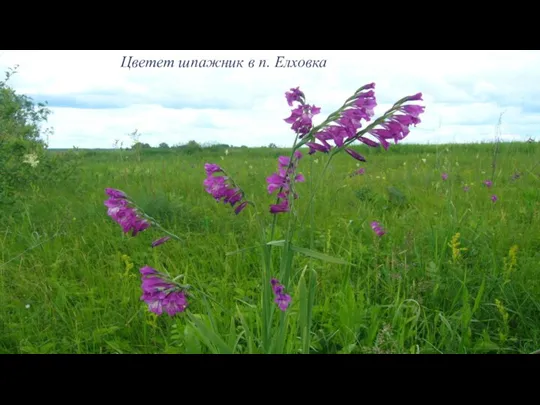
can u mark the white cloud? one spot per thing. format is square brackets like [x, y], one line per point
[464, 93]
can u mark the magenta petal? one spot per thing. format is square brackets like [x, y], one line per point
[377, 228]
[160, 241]
[284, 160]
[212, 168]
[147, 270]
[368, 142]
[112, 192]
[114, 202]
[283, 206]
[368, 86]
[283, 300]
[355, 155]
[294, 95]
[239, 209]
[416, 97]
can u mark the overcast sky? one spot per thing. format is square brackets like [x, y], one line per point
[95, 100]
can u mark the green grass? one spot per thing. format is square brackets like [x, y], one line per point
[65, 286]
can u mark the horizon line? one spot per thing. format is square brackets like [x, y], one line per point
[530, 140]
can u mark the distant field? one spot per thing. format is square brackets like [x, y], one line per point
[70, 282]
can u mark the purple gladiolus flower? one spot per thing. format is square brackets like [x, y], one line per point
[281, 181]
[275, 182]
[283, 300]
[377, 228]
[115, 203]
[488, 183]
[347, 124]
[221, 188]
[139, 225]
[211, 168]
[160, 241]
[112, 192]
[355, 155]
[294, 95]
[358, 172]
[494, 198]
[282, 206]
[238, 209]
[396, 126]
[160, 294]
[314, 147]
[444, 176]
[368, 142]
[361, 108]
[416, 97]
[301, 118]
[123, 214]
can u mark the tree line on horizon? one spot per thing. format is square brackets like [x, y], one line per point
[192, 145]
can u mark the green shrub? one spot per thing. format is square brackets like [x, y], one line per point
[24, 159]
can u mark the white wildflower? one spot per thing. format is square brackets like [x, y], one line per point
[31, 159]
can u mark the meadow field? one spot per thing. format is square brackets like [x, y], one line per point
[456, 271]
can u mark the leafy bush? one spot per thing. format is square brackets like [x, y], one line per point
[24, 159]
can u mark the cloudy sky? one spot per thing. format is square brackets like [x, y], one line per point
[96, 101]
